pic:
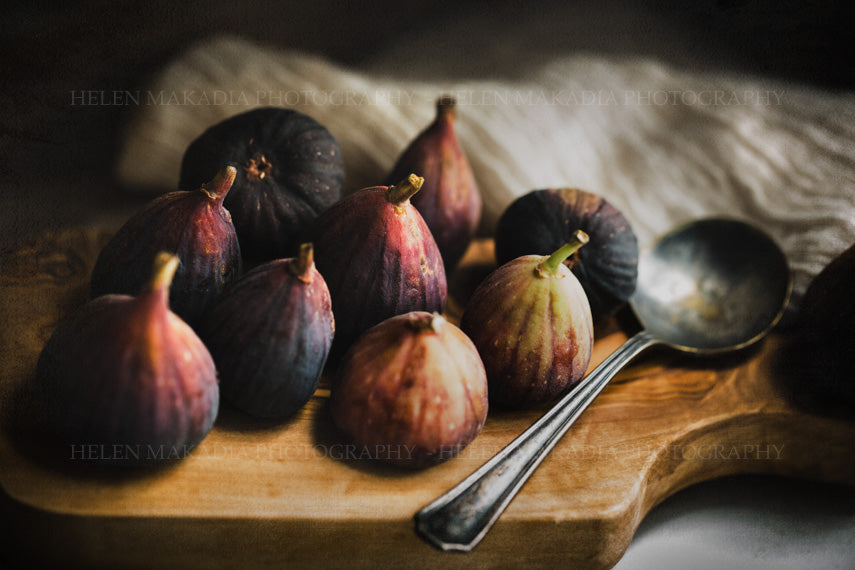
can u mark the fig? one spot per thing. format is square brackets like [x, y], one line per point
[412, 391]
[541, 221]
[449, 200]
[289, 169]
[192, 224]
[270, 335]
[827, 351]
[127, 374]
[378, 258]
[531, 322]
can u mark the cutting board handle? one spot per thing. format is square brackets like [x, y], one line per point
[460, 518]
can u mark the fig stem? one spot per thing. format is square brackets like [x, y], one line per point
[423, 322]
[217, 188]
[446, 106]
[549, 266]
[404, 190]
[305, 260]
[165, 265]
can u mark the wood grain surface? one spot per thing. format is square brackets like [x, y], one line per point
[298, 494]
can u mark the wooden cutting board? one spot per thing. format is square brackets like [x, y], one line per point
[295, 494]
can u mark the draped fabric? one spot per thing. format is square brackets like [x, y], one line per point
[664, 145]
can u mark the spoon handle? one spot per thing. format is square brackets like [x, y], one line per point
[460, 518]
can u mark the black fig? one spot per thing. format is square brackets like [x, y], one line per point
[289, 169]
[128, 375]
[270, 335]
[827, 351]
[412, 391]
[542, 220]
[379, 259]
[449, 200]
[532, 324]
[191, 224]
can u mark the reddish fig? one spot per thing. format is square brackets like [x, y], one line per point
[532, 324]
[412, 391]
[191, 224]
[378, 258]
[270, 335]
[449, 201]
[129, 375]
[289, 169]
[542, 220]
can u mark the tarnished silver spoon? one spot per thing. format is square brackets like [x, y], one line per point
[711, 286]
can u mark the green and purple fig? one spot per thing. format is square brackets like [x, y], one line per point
[192, 224]
[378, 258]
[449, 201]
[532, 324]
[542, 220]
[126, 373]
[412, 391]
[289, 170]
[270, 335]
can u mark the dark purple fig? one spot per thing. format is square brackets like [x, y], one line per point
[531, 322]
[127, 374]
[412, 391]
[289, 169]
[191, 224]
[270, 335]
[542, 220]
[449, 200]
[379, 259]
[827, 351]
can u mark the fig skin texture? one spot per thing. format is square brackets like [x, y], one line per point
[378, 258]
[128, 374]
[532, 324]
[827, 350]
[449, 200]
[193, 225]
[542, 220]
[289, 169]
[412, 391]
[270, 335]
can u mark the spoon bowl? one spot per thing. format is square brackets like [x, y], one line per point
[711, 286]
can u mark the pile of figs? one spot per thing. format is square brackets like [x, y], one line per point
[258, 276]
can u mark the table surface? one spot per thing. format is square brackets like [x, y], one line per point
[57, 172]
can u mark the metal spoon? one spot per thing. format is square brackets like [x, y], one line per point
[711, 286]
